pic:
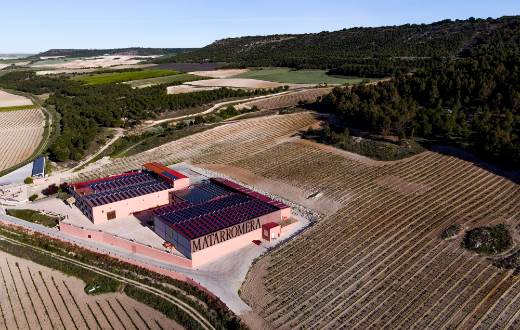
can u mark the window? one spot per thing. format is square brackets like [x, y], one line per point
[111, 215]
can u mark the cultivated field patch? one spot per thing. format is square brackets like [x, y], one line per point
[180, 89]
[235, 83]
[117, 77]
[286, 75]
[91, 62]
[222, 73]
[36, 297]
[20, 134]
[175, 79]
[12, 100]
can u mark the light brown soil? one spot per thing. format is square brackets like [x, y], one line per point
[181, 89]
[234, 82]
[255, 295]
[321, 204]
[34, 296]
[12, 100]
[224, 73]
[96, 62]
[402, 186]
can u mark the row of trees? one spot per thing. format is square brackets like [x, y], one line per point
[85, 109]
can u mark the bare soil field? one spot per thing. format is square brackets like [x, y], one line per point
[12, 100]
[286, 100]
[94, 62]
[222, 73]
[180, 89]
[20, 134]
[235, 82]
[35, 297]
[2, 65]
[378, 261]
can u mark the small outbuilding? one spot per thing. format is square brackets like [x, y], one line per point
[271, 230]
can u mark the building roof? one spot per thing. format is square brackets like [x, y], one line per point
[210, 207]
[270, 225]
[116, 188]
[38, 167]
[164, 172]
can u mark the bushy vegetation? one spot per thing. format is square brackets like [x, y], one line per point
[451, 231]
[33, 216]
[345, 48]
[488, 240]
[369, 146]
[117, 77]
[28, 180]
[33, 197]
[473, 102]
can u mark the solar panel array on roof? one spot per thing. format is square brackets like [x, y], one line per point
[38, 168]
[118, 188]
[202, 192]
[209, 207]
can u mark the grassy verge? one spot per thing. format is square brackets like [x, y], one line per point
[117, 77]
[286, 75]
[33, 216]
[19, 107]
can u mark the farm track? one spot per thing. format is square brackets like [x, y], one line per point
[378, 262]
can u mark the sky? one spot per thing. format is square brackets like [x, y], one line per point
[31, 26]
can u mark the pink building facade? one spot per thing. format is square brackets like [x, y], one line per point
[120, 196]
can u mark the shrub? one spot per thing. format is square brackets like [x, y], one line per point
[488, 240]
[50, 190]
[451, 231]
[28, 180]
[33, 197]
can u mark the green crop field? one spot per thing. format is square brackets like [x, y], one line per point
[18, 107]
[117, 77]
[178, 78]
[286, 75]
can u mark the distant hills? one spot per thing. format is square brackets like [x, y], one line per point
[138, 51]
[355, 46]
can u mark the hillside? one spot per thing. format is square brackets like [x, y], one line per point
[112, 51]
[404, 45]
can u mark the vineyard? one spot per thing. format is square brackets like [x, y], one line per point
[287, 100]
[21, 133]
[222, 143]
[36, 297]
[379, 261]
